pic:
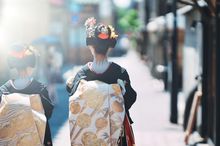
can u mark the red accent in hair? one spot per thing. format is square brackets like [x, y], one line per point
[17, 54]
[103, 36]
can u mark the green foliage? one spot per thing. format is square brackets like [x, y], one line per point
[128, 20]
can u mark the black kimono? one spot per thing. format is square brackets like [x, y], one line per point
[34, 87]
[110, 76]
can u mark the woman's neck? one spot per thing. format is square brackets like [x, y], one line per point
[21, 83]
[23, 80]
[23, 74]
[100, 64]
[100, 58]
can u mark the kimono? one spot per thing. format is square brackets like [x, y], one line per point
[32, 103]
[110, 76]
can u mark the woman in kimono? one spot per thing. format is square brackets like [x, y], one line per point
[23, 59]
[100, 40]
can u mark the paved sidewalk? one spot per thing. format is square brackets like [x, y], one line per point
[150, 112]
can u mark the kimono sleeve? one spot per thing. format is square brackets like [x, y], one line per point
[3, 89]
[130, 94]
[47, 104]
[75, 82]
[1, 95]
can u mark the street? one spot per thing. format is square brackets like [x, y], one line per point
[173, 52]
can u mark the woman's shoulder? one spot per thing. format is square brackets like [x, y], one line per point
[117, 67]
[83, 69]
[37, 85]
[5, 87]
[121, 71]
[77, 74]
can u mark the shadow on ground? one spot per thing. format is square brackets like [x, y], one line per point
[60, 112]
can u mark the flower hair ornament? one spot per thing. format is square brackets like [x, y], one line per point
[100, 31]
[100, 35]
[113, 33]
[22, 50]
[21, 56]
[90, 25]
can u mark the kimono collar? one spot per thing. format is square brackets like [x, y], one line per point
[100, 66]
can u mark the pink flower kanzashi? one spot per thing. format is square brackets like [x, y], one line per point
[90, 22]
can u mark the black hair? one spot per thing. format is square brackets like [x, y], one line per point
[101, 45]
[20, 57]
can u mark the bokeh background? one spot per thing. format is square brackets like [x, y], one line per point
[170, 49]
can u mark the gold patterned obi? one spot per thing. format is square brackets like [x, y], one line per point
[96, 114]
[22, 120]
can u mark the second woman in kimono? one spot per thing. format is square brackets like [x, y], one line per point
[22, 58]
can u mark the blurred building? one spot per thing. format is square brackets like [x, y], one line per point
[79, 11]
[21, 21]
[157, 31]
[197, 59]
[50, 23]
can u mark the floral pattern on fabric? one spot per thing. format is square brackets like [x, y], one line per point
[96, 114]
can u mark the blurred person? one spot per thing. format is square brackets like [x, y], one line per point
[141, 43]
[3, 70]
[22, 59]
[55, 62]
[100, 40]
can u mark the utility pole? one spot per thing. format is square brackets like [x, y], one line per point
[147, 11]
[217, 123]
[174, 86]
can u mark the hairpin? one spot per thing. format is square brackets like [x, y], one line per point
[90, 27]
[113, 33]
[103, 31]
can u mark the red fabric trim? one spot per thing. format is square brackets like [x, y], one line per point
[129, 132]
